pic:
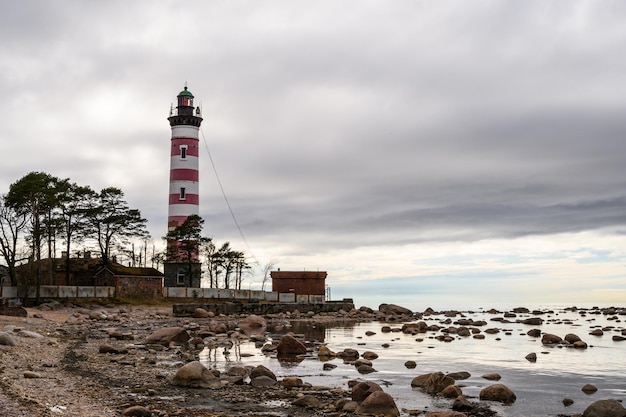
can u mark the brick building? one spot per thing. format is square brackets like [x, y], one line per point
[299, 282]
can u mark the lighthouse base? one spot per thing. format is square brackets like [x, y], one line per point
[182, 274]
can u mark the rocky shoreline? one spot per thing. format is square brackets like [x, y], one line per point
[114, 360]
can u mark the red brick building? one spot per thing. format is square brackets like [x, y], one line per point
[299, 282]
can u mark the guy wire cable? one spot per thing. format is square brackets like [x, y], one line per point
[230, 209]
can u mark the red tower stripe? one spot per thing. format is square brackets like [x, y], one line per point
[192, 199]
[184, 174]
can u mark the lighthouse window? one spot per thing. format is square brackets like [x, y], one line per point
[183, 152]
[180, 277]
[182, 193]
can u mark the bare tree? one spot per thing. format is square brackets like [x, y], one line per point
[267, 268]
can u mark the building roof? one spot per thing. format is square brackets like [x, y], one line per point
[118, 269]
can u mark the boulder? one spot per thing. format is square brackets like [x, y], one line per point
[589, 389]
[534, 333]
[369, 355]
[605, 408]
[261, 370]
[137, 411]
[494, 376]
[461, 403]
[410, 364]
[348, 354]
[291, 382]
[262, 381]
[533, 321]
[253, 324]
[597, 332]
[420, 380]
[28, 333]
[166, 335]
[459, 376]
[325, 352]
[195, 375]
[498, 392]
[617, 338]
[31, 375]
[531, 357]
[200, 313]
[394, 309]
[579, 344]
[378, 403]
[365, 369]
[451, 391]
[308, 401]
[364, 389]
[437, 382]
[6, 339]
[289, 345]
[550, 339]
[571, 338]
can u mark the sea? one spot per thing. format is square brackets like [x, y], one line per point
[540, 387]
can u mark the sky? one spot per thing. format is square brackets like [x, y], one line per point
[441, 154]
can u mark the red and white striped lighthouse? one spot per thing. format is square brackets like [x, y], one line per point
[184, 196]
[185, 121]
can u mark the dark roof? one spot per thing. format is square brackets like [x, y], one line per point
[185, 92]
[118, 269]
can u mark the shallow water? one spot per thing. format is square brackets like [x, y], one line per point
[540, 387]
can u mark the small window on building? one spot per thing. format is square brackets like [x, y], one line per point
[183, 152]
[180, 278]
[183, 193]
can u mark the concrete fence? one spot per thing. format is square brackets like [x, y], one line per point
[53, 291]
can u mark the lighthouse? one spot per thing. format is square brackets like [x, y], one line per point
[185, 120]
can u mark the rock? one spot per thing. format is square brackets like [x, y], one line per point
[31, 374]
[370, 333]
[365, 369]
[106, 348]
[617, 338]
[579, 344]
[494, 376]
[166, 335]
[605, 408]
[262, 381]
[348, 354]
[200, 313]
[378, 403]
[363, 389]
[253, 324]
[420, 380]
[28, 333]
[567, 402]
[436, 383]
[597, 332]
[394, 309]
[550, 339]
[534, 333]
[325, 352]
[6, 339]
[137, 411]
[498, 392]
[369, 355]
[349, 406]
[459, 376]
[589, 389]
[533, 321]
[291, 382]
[571, 338]
[531, 357]
[289, 345]
[445, 414]
[261, 370]
[195, 375]
[308, 401]
[451, 391]
[410, 364]
[461, 403]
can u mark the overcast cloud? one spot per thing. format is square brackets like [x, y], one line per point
[377, 140]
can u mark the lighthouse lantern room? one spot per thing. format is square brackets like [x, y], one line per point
[185, 122]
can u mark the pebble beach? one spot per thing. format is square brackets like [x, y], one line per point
[123, 360]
